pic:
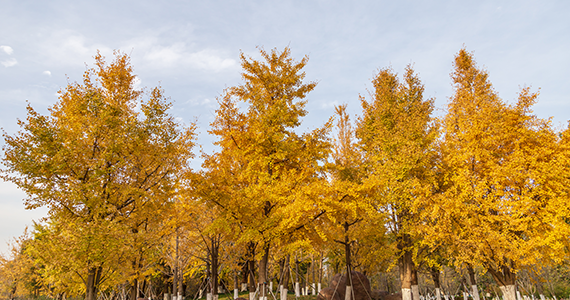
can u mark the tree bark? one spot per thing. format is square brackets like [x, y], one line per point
[262, 278]
[473, 282]
[297, 287]
[348, 293]
[285, 283]
[415, 287]
[244, 275]
[406, 270]
[251, 270]
[435, 276]
[214, 274]
[506, 279]
[209, 278]
[236, 284]
[92, 284]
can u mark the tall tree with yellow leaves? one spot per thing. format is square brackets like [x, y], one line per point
[265, 173]
[504, 205]
[397, 136]
[97, 161]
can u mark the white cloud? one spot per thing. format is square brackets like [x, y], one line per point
[69, 48]
[7, 49]
[179, 55]
[9, 62]
[48, 73]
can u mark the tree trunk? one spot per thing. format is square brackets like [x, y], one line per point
[209, 287]
[473, 282]
[320, 273]
[175, 278]
[244, 275]
[435, 277]
[415, 287]
[506, 279]
[262, 279]
[251, 270]
[236, 284]
[406, 270]
[92, 284]
[285, 283]
[297, 287]
[348, 293]
[214, 274]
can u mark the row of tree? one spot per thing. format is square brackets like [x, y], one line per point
[485, 186]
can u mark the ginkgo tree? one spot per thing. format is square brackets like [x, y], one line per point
[504, 201]
[265, 172]
[397, 136]
[103, 156]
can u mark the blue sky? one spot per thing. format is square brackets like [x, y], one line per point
[191, 48]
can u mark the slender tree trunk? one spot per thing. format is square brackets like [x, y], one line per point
[236, 285]
[214, 273]
[251, 270]
[262, 279]
[285, 283]
[244, 275]
[209, 287]
[92, 284]
[135, 290]
[175, 279]
[473, 282]
[314, 282]
[435, 277]
[348, 293]
[297, 287]
[320, 273]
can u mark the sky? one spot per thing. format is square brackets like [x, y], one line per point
[192, 48]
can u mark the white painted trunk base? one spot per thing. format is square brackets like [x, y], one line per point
[437, 294]
[283, 294]
[475, 292]
[209, 296]
[509, 292]
[244, 287]
[348, 295]
[519, 295]
[215, 297]
[236, 293]
[166, 296]
[297, 290]
[542, 297]
[251, 296]
[406, 294]
[415, 292]
[318, 287]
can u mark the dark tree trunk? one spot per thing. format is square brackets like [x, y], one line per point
[348, 295]
[214, 257]
[506, 279]
[435, 276]
[285, 281]
[92, 284]
[407, 267]
[251, 269]
[263, 272]
[473, 282]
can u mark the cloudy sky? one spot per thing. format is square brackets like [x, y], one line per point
[191, 48]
